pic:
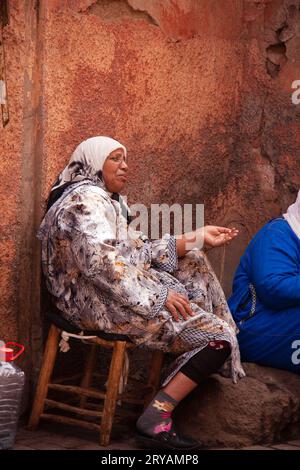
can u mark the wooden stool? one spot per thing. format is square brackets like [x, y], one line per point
[119, 344]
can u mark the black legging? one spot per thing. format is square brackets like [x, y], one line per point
[205, 362]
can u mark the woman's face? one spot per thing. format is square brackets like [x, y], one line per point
[115, 171]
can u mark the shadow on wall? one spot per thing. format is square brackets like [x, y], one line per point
[225, 260]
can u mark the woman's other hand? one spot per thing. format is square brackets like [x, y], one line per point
[217, 236]
[178, 304]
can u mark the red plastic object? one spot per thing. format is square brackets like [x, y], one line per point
[9, 352]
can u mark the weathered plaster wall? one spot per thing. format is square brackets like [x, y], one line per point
[11, 144]
[198, 91]
[21, 159]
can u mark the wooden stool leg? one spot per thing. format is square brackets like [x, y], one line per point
[45, 376]
[154, 374]
[88, 373]
[109, 407]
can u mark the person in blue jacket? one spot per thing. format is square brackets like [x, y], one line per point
[265, 301]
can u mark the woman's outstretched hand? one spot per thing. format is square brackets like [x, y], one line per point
[178, 305]
[217, 236]
[208, 236]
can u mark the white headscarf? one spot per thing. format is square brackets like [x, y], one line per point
[293, 216]
[87, 160]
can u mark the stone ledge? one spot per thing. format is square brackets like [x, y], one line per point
[263, 408]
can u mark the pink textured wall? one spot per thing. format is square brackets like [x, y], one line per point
[11, 138]
[198, 90]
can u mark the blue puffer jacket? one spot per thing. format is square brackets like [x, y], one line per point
[265, 302]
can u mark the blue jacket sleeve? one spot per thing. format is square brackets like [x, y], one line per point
[275, 268]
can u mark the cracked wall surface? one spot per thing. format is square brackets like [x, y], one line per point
[10, 172]
[199, 93]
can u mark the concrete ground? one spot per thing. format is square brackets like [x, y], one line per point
[50, 436]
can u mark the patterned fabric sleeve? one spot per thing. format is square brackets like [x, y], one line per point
[89, 225]
[164, 254]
